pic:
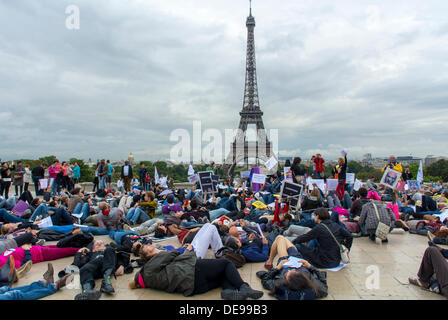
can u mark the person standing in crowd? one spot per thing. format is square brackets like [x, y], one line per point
[212, 167]
[142, 174]
[27, 177]
[19, 172]
[407, 175]
[340, 173]
[110, 172]
[297, 171]
[319, 171]
[38, 173]
[6, 174]
[126, 175]
[147, 181]
[96, 179]
[393, 164]
[103, 169]
[76, 173]
[53, 171]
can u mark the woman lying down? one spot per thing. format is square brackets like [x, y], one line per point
[176, 272]
[293, 278]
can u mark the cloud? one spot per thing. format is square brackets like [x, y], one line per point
[370, 78]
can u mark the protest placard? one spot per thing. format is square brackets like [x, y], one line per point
[205, 181]
[413, 185]
[319, 182]
[290, 190]
[271, 163]
[350, 178]
[258, 178]
[358, 185]
[244, 174]
[287, 172]
[332, 184]
[43, 184]
[390, 178]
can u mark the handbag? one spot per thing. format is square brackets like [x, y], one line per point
[382, 230]
[227, 253]
[345, 257]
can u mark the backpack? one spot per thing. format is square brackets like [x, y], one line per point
[227, 253]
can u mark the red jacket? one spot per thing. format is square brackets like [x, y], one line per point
[319, 164]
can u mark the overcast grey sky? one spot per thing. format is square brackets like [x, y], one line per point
[369, 76]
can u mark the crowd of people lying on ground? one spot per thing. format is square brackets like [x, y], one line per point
[241, 225]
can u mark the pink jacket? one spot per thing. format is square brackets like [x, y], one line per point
[19, 255]
[342, 212]
[395, 210]
[53, 171]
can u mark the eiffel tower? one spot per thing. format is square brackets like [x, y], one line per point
[241, 149]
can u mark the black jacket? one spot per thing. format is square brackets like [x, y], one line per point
[130, 172]
[327, 255]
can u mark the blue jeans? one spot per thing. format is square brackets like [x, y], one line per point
[268, 198]
[407, 210]
[102, 182]
[84, 208]
[54, 188]
[135, 213]
[41, 210]
[215, 214]
[307, 221]
[34, 291]
[228, 204]
[9, 218]
[192, 194]
[118, 235]
[347, 201]
[8, 204]
[93, 230]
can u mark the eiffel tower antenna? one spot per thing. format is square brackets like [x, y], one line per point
[250, 7]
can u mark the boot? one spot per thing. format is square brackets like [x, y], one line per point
[249, 292]
[24, 269]
[106, 285]
[8, 272]
[49, 275]
[88, 293]
[63, 281]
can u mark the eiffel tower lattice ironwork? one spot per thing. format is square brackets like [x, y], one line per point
[251, 113]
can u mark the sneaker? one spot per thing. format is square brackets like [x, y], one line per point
[40, 242]
[89, 295]
[228, 294]
[417, 282]
[249, 292]
[24, 269]
[106, 287]
[431, 236]
[261, 274]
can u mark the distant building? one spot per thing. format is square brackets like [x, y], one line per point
[131, 159]
[367, 160]
[429, 160]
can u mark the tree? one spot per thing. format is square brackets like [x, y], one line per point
[438, 169]
[48, 160]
